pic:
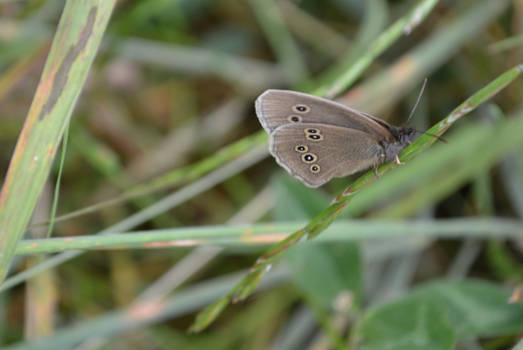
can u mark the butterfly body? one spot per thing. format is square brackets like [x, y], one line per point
[316, 139]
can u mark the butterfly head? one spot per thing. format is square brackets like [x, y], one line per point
[406, 135]
[402, 137]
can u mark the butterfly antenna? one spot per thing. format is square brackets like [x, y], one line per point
[417, 101]
[439, 138]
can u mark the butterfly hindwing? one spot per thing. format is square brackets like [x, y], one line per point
[315, 153]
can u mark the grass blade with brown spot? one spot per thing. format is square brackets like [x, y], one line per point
[74, 47]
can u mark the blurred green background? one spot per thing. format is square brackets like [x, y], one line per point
[166, 121]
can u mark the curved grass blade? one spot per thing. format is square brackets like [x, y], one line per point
[325, 218]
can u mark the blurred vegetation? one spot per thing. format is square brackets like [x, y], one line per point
[164, 149]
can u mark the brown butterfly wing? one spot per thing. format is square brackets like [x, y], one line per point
[275, 108]
[334, 152]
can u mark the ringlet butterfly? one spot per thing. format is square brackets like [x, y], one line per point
[316, 139]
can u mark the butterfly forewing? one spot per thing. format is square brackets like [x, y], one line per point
[275, 108]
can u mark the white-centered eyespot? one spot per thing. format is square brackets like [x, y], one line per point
[315, 137]
[301, 108]
[315, 168]
[309, 158]
[301, 148]
[311, 131]
[293, 118]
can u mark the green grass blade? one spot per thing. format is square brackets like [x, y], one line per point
[345, 74]
[77, 39]
[380, 91]
[58, 181]
[280, 40]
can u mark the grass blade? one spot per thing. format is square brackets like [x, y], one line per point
[77, 39]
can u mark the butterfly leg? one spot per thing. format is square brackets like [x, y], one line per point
[376, 170]
[376, 166]
[396, 158]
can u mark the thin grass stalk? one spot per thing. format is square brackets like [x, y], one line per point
[176, 177]
[265, 234]
[325, 219]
